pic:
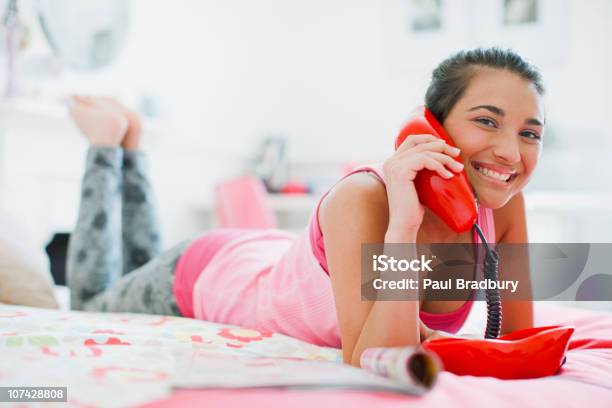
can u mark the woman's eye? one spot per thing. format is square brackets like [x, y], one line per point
[486, 121]
[531, 135]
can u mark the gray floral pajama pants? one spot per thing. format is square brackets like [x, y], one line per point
[114, 262]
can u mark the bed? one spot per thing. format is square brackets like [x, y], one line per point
[127, 360]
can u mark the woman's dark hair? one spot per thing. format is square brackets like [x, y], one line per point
[452, 77]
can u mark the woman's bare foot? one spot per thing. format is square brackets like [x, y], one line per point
[101, 125]
[131, 136]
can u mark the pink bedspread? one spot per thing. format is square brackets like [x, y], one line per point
[584, 381]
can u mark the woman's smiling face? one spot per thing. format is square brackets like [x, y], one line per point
[498, 125]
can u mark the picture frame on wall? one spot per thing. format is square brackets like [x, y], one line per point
[417, 33]
[518, 12]
[424, 15]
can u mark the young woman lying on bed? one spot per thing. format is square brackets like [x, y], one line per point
[308, 286]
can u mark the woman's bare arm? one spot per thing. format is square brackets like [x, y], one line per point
[356, 212]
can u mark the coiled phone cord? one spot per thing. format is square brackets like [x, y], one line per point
[493, 297]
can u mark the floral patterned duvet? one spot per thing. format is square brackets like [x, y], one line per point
[109, 359]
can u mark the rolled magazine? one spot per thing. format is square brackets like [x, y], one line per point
[209, 369]
[409, 366]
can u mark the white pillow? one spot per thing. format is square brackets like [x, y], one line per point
[25, 278]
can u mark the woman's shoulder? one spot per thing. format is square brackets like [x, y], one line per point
[357, 188]
[359, 194]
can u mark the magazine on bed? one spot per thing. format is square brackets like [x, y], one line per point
[403, 370]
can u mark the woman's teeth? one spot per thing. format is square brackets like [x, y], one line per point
[494, 174]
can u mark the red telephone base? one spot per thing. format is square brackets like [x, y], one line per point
[527, 353]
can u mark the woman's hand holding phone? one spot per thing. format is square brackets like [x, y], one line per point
[416, 153]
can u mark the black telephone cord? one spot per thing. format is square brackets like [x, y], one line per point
[493, 297]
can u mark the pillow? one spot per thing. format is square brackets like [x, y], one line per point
[25, 278]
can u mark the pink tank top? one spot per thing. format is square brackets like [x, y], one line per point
[449, 322]
[274, 281]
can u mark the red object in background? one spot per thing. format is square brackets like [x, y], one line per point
[528, 353]
[295, 187]
[450, 199]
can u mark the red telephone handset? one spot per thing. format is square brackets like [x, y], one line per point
[450, 199]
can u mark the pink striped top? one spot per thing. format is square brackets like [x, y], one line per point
[275, 281]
